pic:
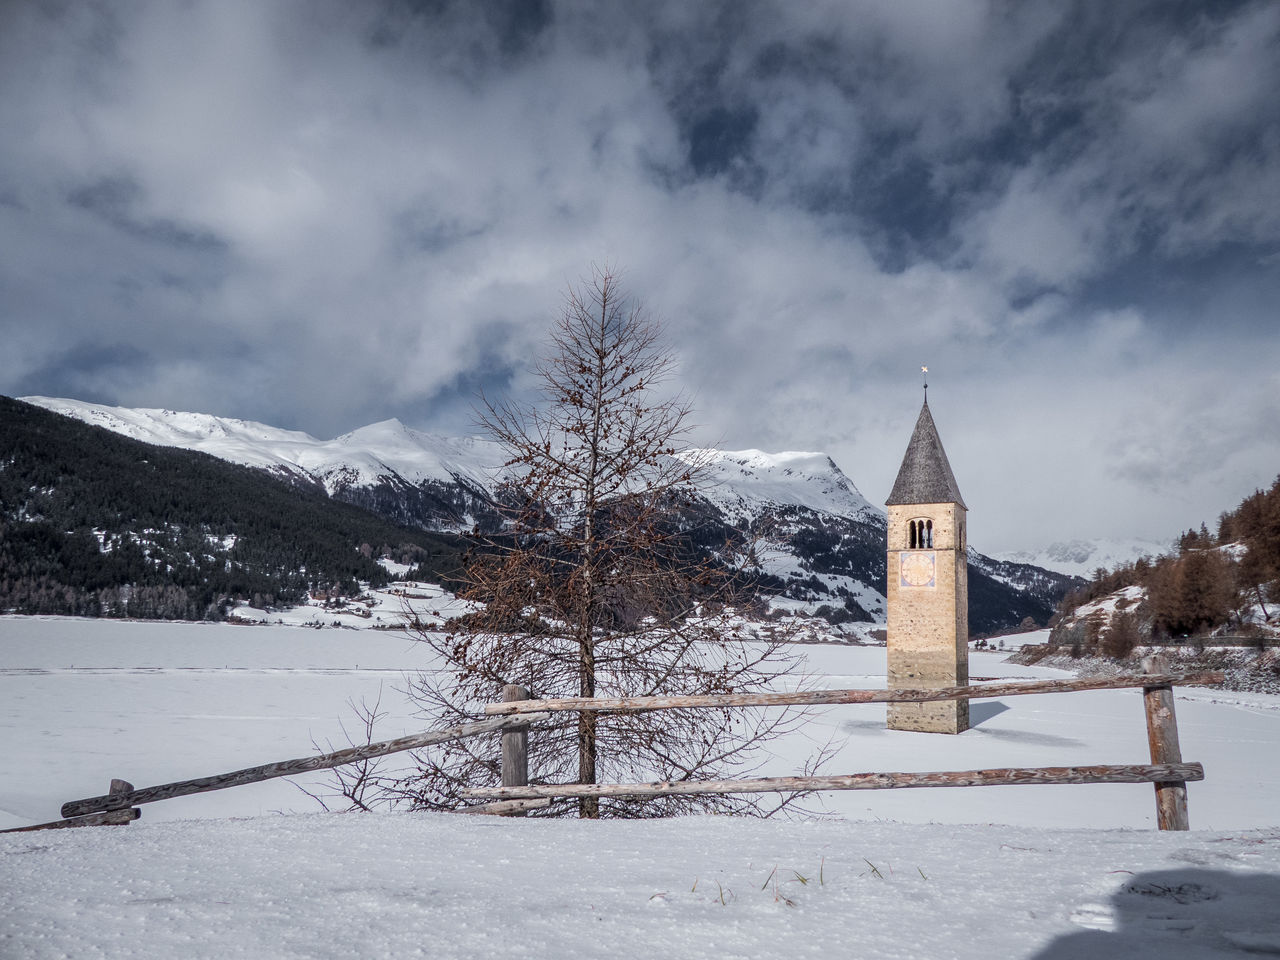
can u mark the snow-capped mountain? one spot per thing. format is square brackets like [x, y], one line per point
[427, 480]
[1080, 558]
[820, 542]
[741, 482]
[361, 457]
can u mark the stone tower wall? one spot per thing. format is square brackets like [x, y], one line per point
[928, 612]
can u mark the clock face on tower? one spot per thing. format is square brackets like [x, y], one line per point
[917, 568]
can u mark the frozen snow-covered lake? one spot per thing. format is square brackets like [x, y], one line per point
[1043, 872]
[83, 701]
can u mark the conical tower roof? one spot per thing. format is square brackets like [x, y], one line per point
[925, 475]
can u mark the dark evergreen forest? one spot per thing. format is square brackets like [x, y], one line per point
[96, 524]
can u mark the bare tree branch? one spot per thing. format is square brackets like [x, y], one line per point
[593, 587]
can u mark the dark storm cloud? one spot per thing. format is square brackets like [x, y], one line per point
[324, 214]
[85, 369]
[112, 199]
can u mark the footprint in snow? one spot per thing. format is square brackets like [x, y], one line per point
[1094, 916]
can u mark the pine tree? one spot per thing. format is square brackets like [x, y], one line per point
[1122, 636]
[593, 589]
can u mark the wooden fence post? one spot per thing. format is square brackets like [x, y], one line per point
[1162, 735]
[515, 748]
[124, 786]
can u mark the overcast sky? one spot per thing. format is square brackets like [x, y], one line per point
[320, 215]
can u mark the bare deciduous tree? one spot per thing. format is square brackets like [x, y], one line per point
[594, 588]
[359, 784]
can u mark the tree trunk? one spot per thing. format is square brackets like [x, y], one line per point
[589, 807]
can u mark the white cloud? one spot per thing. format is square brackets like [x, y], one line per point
[279, 218]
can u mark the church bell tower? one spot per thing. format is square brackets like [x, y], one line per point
[928, 585]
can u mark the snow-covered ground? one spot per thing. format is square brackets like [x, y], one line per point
[410, 885]
[83, 701]
[384, 609]
[990, 872]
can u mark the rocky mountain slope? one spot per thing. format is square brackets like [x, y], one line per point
[97, 524]
[819, 541]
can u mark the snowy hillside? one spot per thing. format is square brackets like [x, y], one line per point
[820, 541]
[1080, 558]
[739, 482]
[742, 482]
[362, 457]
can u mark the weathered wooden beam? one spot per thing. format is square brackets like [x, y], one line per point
[813, 697]
[124, 786]
[515, 748]
[111, 818]
[505, 808]
[1162, 736]
[288, 768]
[1009, 776]
[515, 742]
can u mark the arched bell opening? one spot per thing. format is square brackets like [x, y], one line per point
[920, 534]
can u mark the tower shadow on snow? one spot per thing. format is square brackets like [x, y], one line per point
[981, 711]
[1185, 914]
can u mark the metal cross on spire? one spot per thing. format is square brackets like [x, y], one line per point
[925, 370]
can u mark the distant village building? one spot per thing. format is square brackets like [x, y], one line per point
[928, 585]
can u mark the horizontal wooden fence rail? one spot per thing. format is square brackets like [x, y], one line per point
[819, 697]
[506, 808]
[515, 797]
[1166, 772]
[288, 768]
[1007, 776]
[111, 818]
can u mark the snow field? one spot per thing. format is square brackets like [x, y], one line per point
[439, 885]
[83, 701]
[984, 872]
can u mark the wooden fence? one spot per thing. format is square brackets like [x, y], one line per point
[120, 804]
[514, 716]
[1166, 771]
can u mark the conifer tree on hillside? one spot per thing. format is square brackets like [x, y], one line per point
[1209, 583]
[1122, 636]
[594, 590]
[1257, 524]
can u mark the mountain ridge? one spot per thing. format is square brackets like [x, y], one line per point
[379, 450]
[822, 540]
[94, 523]
[1081, 558]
